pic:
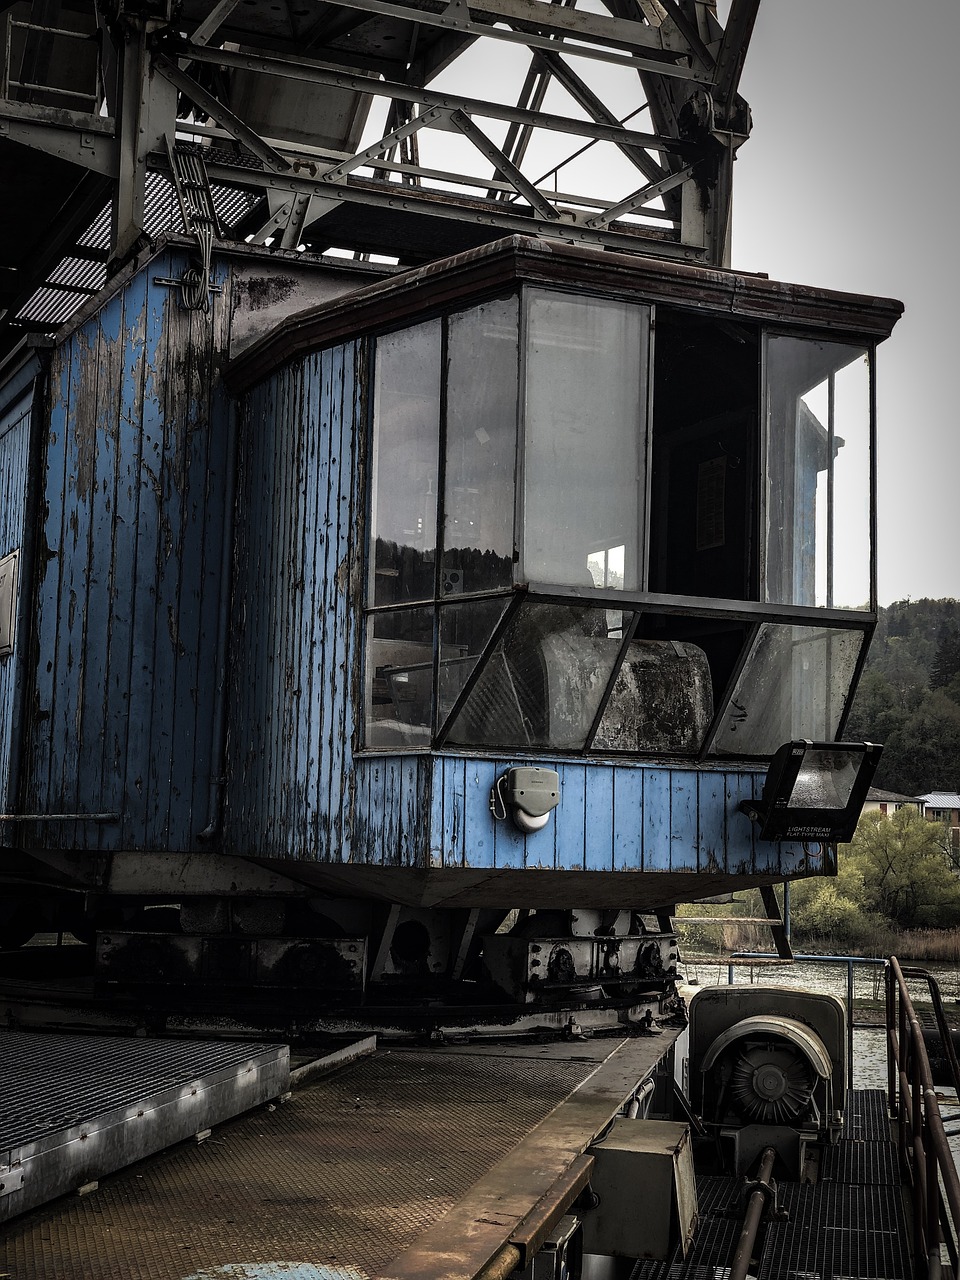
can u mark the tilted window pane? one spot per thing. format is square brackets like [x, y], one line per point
[795, 684]
[662, 700]
[818, 474]
[481, 450]
[465, 630]
[406, 435]
[399, 678]
[584, 441]
[543, 683]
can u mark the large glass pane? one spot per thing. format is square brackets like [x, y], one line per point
[794, 684]
[584, 441]
[543, 683]
[399, 678]
[481, 448]
[662, 700]
[818, 474]
[465, 629]
[406, 436]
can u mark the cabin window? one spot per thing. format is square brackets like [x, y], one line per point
[817, 423]
[794, 684]
[705, 458]
[406, 453]
[481, 448]
[599, 526]
[584, 463]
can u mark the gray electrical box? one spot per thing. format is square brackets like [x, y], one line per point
[8, 601]
[644, 1180]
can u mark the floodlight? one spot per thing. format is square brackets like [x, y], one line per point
[814, 790]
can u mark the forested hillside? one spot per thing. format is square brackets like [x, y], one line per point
[909, 697]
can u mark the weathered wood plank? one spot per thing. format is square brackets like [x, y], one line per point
[683, 820]
[656, 820]
[627, 819]
[15, 445]
[97, 791]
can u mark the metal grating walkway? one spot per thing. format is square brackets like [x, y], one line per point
[850, 1226]
[839, 1231]
[865, 1118]
[79, 1107]
[716, 1238]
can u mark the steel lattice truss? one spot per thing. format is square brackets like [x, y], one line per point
[409, 128]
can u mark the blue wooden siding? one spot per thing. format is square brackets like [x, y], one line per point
[129, 571]
[15, 442]
[611, 817]
[290, 781]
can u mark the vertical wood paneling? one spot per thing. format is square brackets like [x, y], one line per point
[623, 817]
[50, 562]
[627, 815]
[15, 443]
[94, 781]
[570, 833]
[302, 727]
[124, 739]
[741, 852]
[193, 470]
[348, 557]
[334, 484]
[443, 820]
[712, 826]
[655, 817]
[129, 571]
[599, 815]
[290, 767]
[684, 814]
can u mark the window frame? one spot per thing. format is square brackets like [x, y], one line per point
[751, 613]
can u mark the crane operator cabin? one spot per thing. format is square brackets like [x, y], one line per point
[416, 576]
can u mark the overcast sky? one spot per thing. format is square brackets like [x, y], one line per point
[851, 180]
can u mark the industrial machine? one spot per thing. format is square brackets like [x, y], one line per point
[409, 567]
[767, 1068]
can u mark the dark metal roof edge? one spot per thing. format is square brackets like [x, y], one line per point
[494, 266]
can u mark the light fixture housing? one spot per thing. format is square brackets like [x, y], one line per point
[814, 790]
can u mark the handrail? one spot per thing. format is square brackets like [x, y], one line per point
[924, 1150]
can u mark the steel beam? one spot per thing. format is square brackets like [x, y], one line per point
[91, 150]
[322, 73]
[456, 208]
[652, 191]
[503, 165]
[587, 99]
[224, 117]
[733, 50]
[547, 19]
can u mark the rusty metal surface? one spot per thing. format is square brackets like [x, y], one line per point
[512, 1193]
[345, 1175]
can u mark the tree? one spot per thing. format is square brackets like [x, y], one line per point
[924, 753]
[902, 871]
[946, 663]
